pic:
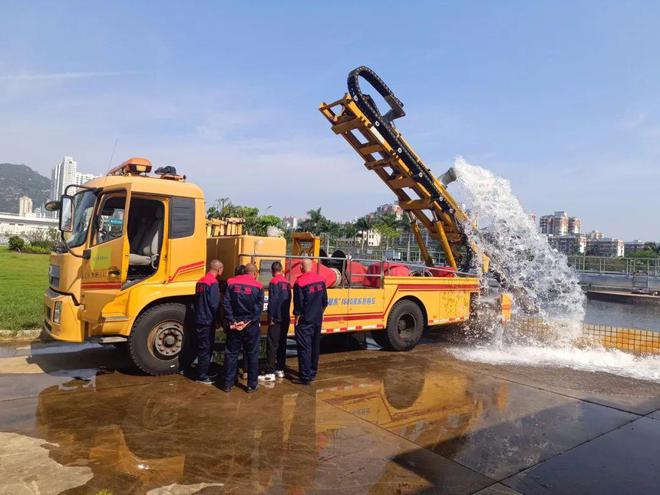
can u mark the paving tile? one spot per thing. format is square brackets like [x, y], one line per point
[624, 461]
[497, 489]
[492, 426]
[143, 437]
[628, 394]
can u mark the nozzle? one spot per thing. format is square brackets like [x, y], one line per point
[448, 177]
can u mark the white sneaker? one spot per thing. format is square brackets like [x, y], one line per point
[279, 373]
[262, 378]
[269, 377]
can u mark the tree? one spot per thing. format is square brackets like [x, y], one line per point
[363, 225]
[316, 223]
[349, 230]
[389, 227]
[255, 224]
[262, 223]
[654, 247]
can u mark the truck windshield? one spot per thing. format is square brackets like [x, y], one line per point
[83, 207]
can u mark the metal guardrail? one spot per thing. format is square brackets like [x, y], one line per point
[627, 266]
[345, 269]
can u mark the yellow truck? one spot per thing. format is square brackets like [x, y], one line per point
[135, 243]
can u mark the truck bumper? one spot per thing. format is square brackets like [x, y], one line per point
[61, 320]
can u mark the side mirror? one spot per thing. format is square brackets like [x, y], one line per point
[53, 205]
[66, 213]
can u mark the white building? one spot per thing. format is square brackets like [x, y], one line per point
[24, 206]
[64, 174]
[290, 223]
[373, 238]
[24, 224]
[605, 247]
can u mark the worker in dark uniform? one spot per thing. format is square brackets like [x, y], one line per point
[279, 307]
[243, 305]
[207, 302]
[310, 298]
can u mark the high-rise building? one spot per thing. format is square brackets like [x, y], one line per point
[569, 244]
[559, 223]
[574, 225]
[392, 208]
[545, 223]
[605, 247]
[64, 174]
[24, 206]
[290, 223]
[595, 234]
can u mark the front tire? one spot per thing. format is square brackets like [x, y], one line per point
[158, 340]
[404, 327]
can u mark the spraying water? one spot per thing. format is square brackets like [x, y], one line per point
[542, 283]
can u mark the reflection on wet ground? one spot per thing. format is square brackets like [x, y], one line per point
[82, 421]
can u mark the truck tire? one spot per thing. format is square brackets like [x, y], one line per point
[158, 341]
[404, 326]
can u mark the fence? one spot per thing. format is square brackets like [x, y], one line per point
[628, 266]
[632, 340]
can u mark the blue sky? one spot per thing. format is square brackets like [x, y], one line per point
[562, 98]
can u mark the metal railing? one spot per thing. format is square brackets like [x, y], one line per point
[628, 266]
[344, 267]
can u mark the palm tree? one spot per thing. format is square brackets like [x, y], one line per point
[363, 225]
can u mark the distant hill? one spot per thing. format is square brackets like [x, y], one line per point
[21, 180]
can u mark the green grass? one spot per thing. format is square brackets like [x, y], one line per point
[23, 280]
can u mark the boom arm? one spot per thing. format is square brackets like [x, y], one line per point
[385, 151]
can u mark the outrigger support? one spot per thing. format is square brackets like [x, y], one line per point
[385, 151]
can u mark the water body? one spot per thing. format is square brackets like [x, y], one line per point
[644, 316]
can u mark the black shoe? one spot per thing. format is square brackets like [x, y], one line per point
[300, 381]
[251, 390]
[226, 389]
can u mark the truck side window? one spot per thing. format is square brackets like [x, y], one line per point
[109, 221]
[182, 217]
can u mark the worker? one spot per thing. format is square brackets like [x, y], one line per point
[243, 305]
[207, 302]
[310, 298]
[279, 307]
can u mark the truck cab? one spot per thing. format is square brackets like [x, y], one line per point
[132, 244]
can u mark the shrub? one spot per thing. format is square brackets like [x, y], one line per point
[37, 249]
[16, 243]
[45, 244]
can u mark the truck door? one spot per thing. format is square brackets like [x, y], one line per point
[105, 262]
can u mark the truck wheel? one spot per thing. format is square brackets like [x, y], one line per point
[404, 326]
[158, 340]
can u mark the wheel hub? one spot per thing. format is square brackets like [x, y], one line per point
[168, 338]
[406, 326]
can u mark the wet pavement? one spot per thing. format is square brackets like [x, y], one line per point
[79, 419]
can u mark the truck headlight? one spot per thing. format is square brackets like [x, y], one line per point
[57, 311]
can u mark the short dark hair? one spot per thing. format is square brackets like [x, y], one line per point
[240, 270]
[276, 266]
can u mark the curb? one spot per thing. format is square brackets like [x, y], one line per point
[20, 334]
